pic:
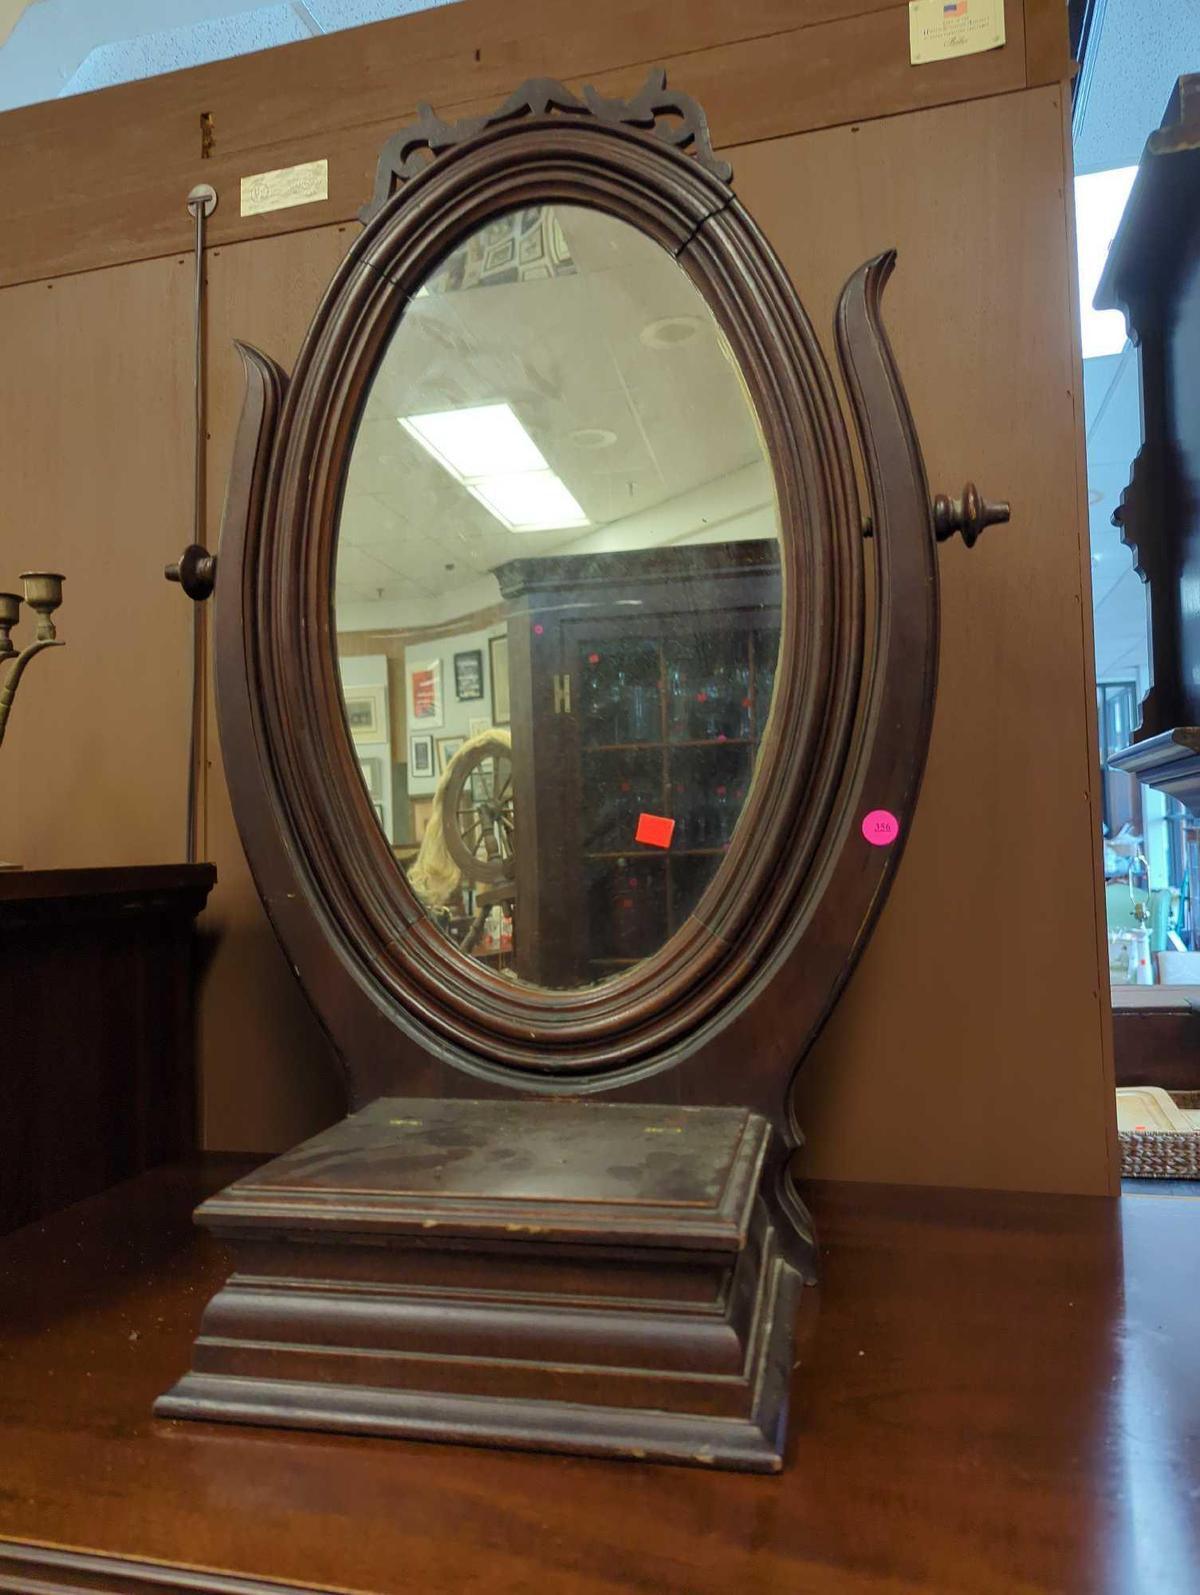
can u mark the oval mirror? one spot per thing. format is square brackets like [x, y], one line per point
[558, 596]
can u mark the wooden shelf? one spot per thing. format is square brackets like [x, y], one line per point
[657, 747]
[680, 852]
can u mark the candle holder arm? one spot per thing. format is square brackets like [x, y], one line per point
[17, 667]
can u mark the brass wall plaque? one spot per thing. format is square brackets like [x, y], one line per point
[289, 185]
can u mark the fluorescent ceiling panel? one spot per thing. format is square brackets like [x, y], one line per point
[529, 501]
[486, 440]
[487, 450]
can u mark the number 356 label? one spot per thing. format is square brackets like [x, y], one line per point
[880, 827]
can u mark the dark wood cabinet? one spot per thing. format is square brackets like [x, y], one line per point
[96, 992]
[640, 683]
[1153, 276]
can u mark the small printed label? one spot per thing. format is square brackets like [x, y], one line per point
[654, 830]
[289, 185]
[938, 30]
[881, 827]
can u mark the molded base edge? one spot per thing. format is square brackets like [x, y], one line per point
[753, 1444]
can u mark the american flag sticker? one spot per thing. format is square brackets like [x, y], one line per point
[957, 8]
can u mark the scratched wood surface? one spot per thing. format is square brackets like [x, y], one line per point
[994, 1393]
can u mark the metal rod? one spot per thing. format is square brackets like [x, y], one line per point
[201, 202]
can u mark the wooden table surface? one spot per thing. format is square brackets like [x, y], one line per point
[997, 1393]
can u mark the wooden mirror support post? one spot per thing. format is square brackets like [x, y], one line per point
[562, 1219]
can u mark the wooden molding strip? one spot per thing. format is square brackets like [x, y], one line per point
[27, 1568]
[100, 179]
[1047, 43]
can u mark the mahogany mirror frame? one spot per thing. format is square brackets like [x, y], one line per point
[725, 1010]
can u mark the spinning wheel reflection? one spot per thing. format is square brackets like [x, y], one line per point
[477, 812]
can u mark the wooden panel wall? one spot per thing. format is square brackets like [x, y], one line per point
[95, 481]
[971, 1047]
[973, 1037]
[98, 180]
[267, 1074]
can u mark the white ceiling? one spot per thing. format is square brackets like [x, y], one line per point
[568, 354]
[59, 47]
[1141, 47]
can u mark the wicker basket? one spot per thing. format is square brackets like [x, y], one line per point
[1160, 1154]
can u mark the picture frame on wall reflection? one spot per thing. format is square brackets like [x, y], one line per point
[498, 664]
[420, 757]
[478, 724]
[372, 774]
[366, 712]
[468, 675]
[447, 747]
[425, 693]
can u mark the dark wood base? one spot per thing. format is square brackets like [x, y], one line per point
[96, 989]
[1156, 1045]
[591, 1278]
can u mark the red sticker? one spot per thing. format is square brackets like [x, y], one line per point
[654, 830]
[881, 827]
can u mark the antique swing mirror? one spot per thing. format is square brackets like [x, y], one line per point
[573, 764]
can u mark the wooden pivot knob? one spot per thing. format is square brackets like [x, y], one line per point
[968, 515]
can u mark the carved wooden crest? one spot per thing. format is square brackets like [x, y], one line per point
[677, 119]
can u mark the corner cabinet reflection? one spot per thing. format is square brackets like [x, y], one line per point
[640, 684]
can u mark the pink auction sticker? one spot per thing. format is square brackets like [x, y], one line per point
[880, 827]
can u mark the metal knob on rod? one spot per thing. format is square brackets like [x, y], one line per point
[195, 570]
[969, 515]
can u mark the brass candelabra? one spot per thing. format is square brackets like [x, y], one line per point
[43, 594]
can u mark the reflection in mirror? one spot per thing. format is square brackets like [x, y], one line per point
[558, 596]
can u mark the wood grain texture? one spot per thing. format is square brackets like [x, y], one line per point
[265, 1061]
[95, 458]
[1091, 722]
[781, 925]
[96, 988]
[971, 1046]
[915, 1080]
[25, 1568]
[1047, 43]
[586, 1277]
[267, 1074]
[998, 1393]
[1157, 1046]
[764, 68]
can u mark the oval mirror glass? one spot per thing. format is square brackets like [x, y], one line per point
[558, 596]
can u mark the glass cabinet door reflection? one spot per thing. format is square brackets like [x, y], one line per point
[558, 596]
